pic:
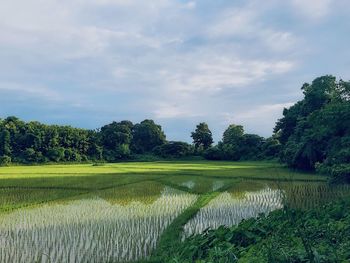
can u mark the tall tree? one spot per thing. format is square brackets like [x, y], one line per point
[233, 134]
[315, 132]
[5, 143]
[116, 138]
[146, 136]
[202, 136]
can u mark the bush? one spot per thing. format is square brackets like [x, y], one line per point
[271, 148]
[173, 149]
[72, 155]
[31, 156]
[5, 160]
[56, 154]
[213, 153]
[122, 152]
[316, 235]
[340, 173]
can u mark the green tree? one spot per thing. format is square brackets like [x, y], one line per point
[173, 149]
[251, 147]
[271, 148]
[233, 134]
[56, 154]
[202, 136]
[116, 138]
[146, 136]
[95, 150]
[313, 133]
[5, 143]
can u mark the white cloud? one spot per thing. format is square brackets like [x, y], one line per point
[313, 9]
[268, 111]
[279, 41]
[171, 111]
[237, 22]
[190, 5]
[21, 91]
[216, 72]
[173, 59]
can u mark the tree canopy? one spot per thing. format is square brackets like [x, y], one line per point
[202, 136]
[315, 132]
[146, 136]
[34, 142]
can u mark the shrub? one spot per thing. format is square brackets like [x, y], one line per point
[213, 153]
[340, 173]
[173, 149]
[5, 160]
[32, 156]
[56, 154]
[122, 152]
[72, 155]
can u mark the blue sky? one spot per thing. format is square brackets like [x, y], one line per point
[88, 62]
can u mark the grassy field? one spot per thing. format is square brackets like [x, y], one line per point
[28, 185]
[152, 201]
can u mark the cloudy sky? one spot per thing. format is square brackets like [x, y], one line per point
[88, 62]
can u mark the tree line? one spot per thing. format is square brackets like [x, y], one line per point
[34, 142]
[314, 133]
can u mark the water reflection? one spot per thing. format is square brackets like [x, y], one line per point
[229, 210]
[92, 229]
[248, 198]
[197, 184]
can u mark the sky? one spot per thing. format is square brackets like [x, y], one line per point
[87, 63]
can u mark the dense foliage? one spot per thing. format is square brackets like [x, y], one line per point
[174, 149]
[315, 132]
[147, 135]
[236, 145]
[202, 136]
[318, 235]
[34, 142]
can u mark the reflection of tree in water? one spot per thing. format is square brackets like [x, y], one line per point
[217, 185]
[311, 195]
[239, 188]
[145, 192]
[189, 184]
[89, 230]
[298, 195]
[228, 210]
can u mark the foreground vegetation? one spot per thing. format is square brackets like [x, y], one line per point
[287, 235]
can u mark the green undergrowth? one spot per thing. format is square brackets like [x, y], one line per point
[318, 235]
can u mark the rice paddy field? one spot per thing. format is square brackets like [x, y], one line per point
[121, 212]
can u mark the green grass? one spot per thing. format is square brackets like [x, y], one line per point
[73, 175]
[27, 185]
